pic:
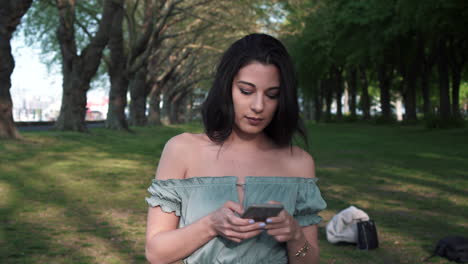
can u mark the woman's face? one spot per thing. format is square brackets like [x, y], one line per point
[255, 93]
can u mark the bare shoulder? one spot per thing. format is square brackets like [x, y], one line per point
[177, 145]
[176, 155]
[301, 163]
[181, 141]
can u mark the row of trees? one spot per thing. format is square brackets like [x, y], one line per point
[416, 50]
[163, 49]
[10, 16]
[153, 49]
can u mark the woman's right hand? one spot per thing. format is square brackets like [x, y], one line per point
[225, 223]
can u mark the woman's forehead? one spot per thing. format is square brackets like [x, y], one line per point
[259, 74]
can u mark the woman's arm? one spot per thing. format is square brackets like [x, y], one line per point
[305, 235]
[285, 228]
[165, 243]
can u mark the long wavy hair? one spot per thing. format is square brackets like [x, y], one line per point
[218, 110]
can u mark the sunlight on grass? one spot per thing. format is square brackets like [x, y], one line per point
[423, 192]
[335, 168]
[79, 198]
[437, 156]
[6, 194]
[115, 163]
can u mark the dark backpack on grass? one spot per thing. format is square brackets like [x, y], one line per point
[454, 248]
[367, 235]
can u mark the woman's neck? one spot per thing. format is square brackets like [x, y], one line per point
[240, 141]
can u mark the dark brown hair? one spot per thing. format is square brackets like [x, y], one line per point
[218, 110]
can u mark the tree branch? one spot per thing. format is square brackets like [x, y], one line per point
[84, 28]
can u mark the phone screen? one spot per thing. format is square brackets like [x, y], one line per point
[260, 212]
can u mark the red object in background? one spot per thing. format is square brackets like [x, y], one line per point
[95, 108]
[96, 104]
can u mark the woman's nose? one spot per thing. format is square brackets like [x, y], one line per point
[257, 104]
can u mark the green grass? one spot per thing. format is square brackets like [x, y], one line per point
[79, 198]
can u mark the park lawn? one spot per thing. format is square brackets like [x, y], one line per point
[79, 198]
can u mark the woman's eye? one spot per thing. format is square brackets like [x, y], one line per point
[244, 91]
[273, 96]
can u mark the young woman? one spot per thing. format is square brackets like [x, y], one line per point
[205, 181]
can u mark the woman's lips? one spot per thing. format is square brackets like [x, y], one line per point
[254, 121]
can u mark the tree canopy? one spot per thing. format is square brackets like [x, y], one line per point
[416, 48]
[366, 54]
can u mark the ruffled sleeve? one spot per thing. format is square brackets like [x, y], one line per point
[164, 194]
[309, 202]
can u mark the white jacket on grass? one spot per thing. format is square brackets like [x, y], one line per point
[343, 226]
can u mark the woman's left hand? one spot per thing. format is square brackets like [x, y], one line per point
[283, 227]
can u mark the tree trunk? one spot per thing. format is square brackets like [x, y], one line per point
[408, 90]
[456, 77]
[328, 90]
[154, 115]
[182, 106]
[77, 69]
[138, 93]
[178, 106]
[412, 74]
[410, 102]
[339, 92]
[318, 99]
[11, 13]
[73, 109]
[365, 100]
[166, 109]
[384, 85]
[174, 113]
[308, 108]
[352, 84]
[189, 108]
[172, 107]
[426, 65]
[444, 83]
[457, 59]
[117, 72]
[427, 108]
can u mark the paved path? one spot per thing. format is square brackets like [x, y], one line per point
[44, 126]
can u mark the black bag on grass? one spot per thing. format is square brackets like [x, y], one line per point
[367, 235]
[454, 248]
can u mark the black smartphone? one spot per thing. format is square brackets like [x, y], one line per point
[260, 212]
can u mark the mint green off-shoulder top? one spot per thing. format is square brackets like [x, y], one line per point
[193, 198]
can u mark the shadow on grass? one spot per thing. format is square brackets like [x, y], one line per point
[414, 219]
[411, 182]
[81, 230]
[59, 212]
[31, 241]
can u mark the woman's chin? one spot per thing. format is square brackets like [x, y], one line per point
[251, 130]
